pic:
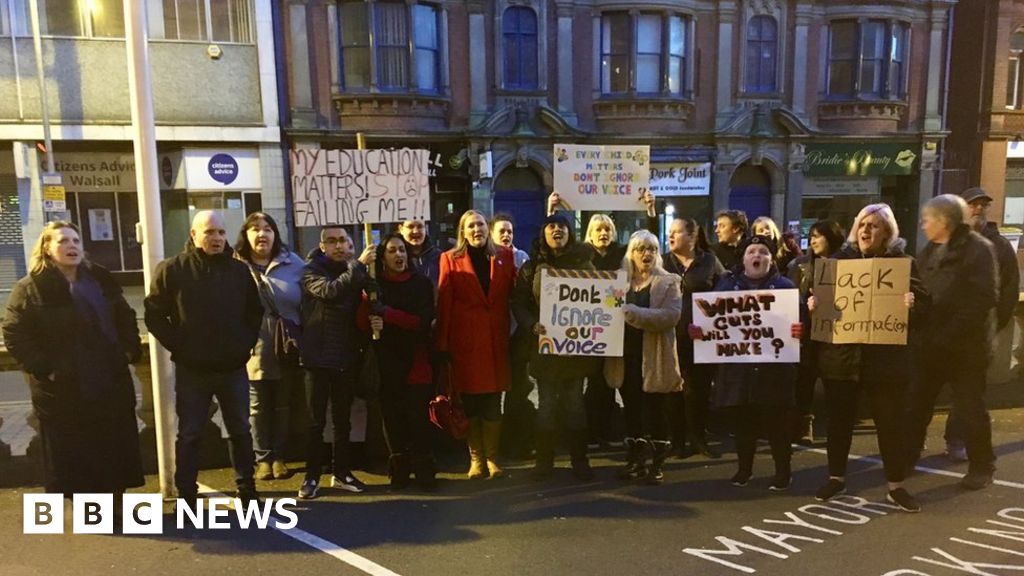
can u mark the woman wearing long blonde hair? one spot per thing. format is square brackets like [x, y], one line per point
[474, 288]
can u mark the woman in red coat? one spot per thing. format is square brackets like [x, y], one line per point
[475, 284]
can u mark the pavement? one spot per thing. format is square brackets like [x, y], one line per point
[696, 523]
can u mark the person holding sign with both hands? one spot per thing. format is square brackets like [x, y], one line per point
[883, 371]
[758, 396]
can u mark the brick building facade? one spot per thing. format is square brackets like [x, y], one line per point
[799, 109]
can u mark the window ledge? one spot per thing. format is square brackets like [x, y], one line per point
[852, 109]
[642, 107]
[394, 110]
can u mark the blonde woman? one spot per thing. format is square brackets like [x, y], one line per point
[787, 249]
[649, 370]
[474, 288]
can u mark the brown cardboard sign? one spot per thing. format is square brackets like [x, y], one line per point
[861, 301]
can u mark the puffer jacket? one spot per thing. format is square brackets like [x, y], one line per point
[755, 384]
[282, 281]
[331, 294]
[526, 307]
[877, 363]
[660, 363]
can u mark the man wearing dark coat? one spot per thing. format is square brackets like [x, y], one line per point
[205, 309]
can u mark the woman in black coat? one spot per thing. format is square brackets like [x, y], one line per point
[71, 330]
[826, 238]
[758, 397]
[958, 267]
[690, 257]
[881, 371]
[402, 315]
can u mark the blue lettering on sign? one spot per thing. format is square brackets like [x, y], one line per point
[223, 168]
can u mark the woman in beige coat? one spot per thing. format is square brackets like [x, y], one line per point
[649, 369]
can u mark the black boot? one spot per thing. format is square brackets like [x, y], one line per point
[659, 451]
[426, 473]
[545, 459]
[700, 446]
[578, 456]
[628, 472]
[745, 448]
[399, 469]
[247, 491]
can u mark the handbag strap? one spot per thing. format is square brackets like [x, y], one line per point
[266, 294]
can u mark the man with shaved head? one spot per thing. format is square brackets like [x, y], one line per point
[203, 306]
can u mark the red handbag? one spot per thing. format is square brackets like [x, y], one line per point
[446, 411]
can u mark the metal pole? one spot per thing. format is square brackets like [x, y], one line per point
[37, 44]
[151, 237]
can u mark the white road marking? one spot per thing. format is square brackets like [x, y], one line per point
[925, 469]
[330, 548]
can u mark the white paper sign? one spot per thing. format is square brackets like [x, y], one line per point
[681, 179]
[101, 225]
[606, 178]
[746, 326]
[581, 312]
[360, 186]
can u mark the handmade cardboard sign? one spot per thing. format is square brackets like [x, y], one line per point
[605, 178]
[860, 301]
[581, 312]
[746, 326]
[360, 186]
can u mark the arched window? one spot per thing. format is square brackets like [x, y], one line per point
[519, 27]
[1015, 72]
[762, 55]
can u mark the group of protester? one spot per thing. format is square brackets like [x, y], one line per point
[469, 318]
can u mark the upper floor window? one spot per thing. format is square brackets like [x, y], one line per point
[868, 58]
[643, 54]
[1015, 72]
[762, 55]
[71, 18]
[519, 29]
[403, 53]
[204, 20]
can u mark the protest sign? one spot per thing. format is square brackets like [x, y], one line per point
[746, 326]
[360, 186]
[605, 178]
[581, 312]
[681, 179]
[860, 301]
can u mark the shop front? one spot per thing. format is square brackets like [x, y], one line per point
[681, 182]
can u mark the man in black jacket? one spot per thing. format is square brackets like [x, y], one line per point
[425, 256]
[978, 203]
[204, 308]
[332, 346]
[731, 227]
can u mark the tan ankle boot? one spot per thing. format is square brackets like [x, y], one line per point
[475, 441]
[492, 437]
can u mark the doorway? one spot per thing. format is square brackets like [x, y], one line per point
[521, 193]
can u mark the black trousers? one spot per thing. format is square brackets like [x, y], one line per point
[600, 402]
[808, 376]
[689, 408]
[646, 413]
[888, 408]
[966, 374]
[751, 422]
[405, 410]
[326, 386]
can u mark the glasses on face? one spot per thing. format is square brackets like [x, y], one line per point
[334, 241]
[645, 250]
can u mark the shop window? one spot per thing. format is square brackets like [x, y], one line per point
[1014, 72]
[867, 59]
[519, 29]
[643, 54]
[69, 18]
[224, 21]
[762, 55]
[404, 49]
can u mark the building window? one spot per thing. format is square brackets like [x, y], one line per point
[762, 55]
[302, 88]
[867, 59]
[384, 59]
[1015, 73]
[225, 21]
[519, 27]
[643, 54]
[70, 18]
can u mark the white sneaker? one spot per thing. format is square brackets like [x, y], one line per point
[348, 483]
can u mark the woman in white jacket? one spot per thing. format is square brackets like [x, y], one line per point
[649, 369]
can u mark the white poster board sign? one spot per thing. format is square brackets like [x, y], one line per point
[581, 312]
[360, 186]
[605, 178]
[681, 178]
[746, 326]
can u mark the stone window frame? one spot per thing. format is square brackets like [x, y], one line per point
[686, 9]
[1015, 101]
[539, 8]
[412, 83]
[751, 10]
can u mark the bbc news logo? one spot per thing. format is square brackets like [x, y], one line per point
[143, 514]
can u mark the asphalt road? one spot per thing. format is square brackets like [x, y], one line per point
[516, 526]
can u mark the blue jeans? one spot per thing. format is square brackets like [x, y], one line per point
[194, 389]
[269, 413]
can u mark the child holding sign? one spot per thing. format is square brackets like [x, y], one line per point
[758, 396]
